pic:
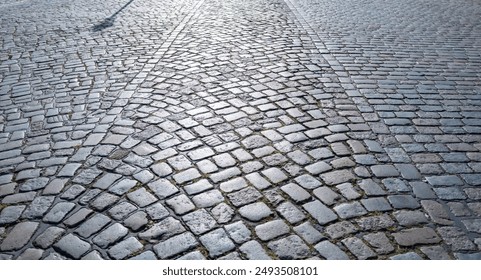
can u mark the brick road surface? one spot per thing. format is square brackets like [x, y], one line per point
[255, 129]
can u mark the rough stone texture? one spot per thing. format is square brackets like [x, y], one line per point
[415, 236]
[188, 117]
[308, 233]
[320, 212]
[272, 229]
[199, 221]
[19, 236]
[358, 248]
[175, 245]
[163, 229]
[92, 225]
[291, 247]
[330, 251]
[110, 235]
[48, 237]
[217, 242]
[379, 242]
[72, 246]
[340, 229]
[238, 232]
[255, 211]
[125, 248]
[254, 251]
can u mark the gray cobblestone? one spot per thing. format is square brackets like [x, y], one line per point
[291, 247]
[337, 177]
[19, 236]
[123, 186]
[136, 221]
[94, 256]
[436, 212]
[77, 217]
[414, 236]
[222, 213]
[162, 188]
[72, 246]
[360, 126]
[340, 229]
[175, 245]
[199, 221]
[92, 225]
[48, 237]
[225, 174]
[379, 242]
[58, 212]
[375, 223]
[238, 232]
[358, 248]
[103, 201]
[10, 214]
[255, 211]
[163, 229]
[308, 233]
[110, 235]
[295, 192]
[141, 197]
[271, 230]
[125, 248]
[258, 181]
[349, 210]
[233, 185]
[290, 212]
[244, 196]
[31, 254]
[435, 253]
[254, 251]
[330, 251]
[217, 242]
[34, 184]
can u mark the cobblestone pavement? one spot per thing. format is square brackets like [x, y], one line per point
[255, 129]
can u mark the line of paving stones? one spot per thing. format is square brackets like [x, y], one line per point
[240, 139]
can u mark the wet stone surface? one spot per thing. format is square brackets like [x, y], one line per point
[223, 129]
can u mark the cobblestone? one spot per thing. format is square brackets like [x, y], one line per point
[92, 225]
[72, 246]
[58, 212]
[414, 236]
[19, 236]
[175, 245]
[125, 248]
[255, 211]
[254, 251]
[330, 251]
[110, 235]
[163, 229]
[271, 230]
[358, 248]
[320, 212]
[199, 221]
[291, 247]
[238, 232]
[217, 242]
[136, 221]
[210, 118]
[10, 214]
[379, 242]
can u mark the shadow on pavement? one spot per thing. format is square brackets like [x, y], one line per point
[108, 22]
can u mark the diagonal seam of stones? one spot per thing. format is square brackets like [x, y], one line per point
[140, 77]
[320, 46]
